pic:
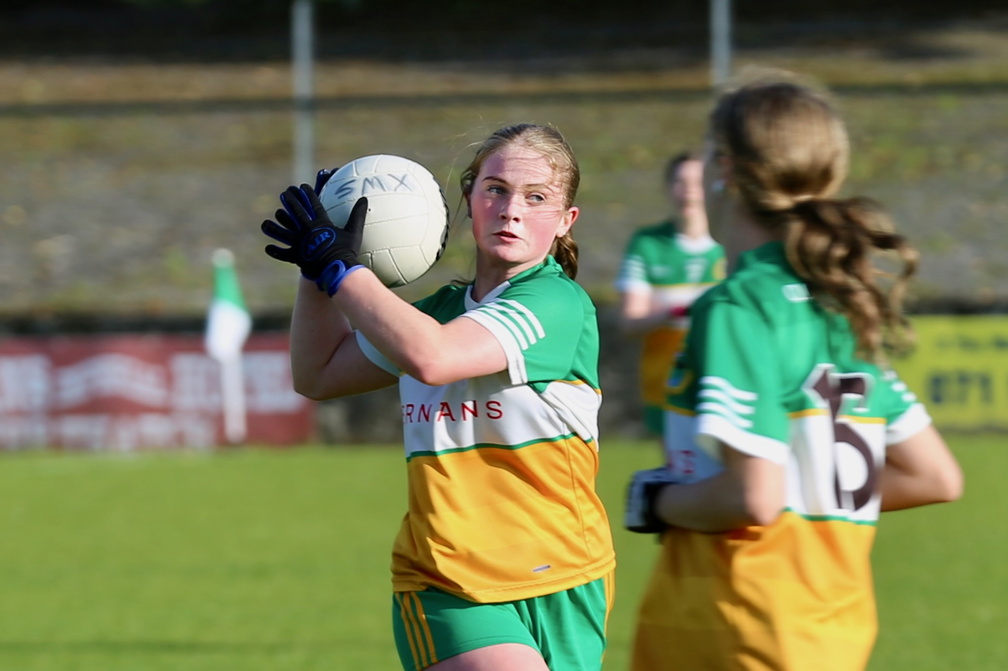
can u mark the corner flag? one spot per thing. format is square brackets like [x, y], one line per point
[228, 322]
[228, 327]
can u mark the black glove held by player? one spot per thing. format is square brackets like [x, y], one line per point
[321, 177]
[325, 253]
[642, 492]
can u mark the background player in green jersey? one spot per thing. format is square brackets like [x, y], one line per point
[788, 432]
[504, 558]
[664, 269]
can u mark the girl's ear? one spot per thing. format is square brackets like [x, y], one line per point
[568, 221]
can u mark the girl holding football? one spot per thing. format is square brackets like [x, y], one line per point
[504, 559]
[787, 432]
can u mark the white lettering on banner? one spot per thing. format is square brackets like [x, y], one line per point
[24, 383]
[80, 431]
[108, 375]
[196, 431]
[267, 378]
[99, 432]
[129, 432]
[268, 383]
[124, 395]
[196, 383]
[146, 430]
[24, 432]
[153, 430]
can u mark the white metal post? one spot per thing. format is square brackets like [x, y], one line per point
[302, 57]
[720, 27]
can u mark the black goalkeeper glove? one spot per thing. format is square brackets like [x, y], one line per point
[642, 492]
[321, 177]
[325, 253]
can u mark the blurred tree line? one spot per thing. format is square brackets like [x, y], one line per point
[258, 29]
[238, 14]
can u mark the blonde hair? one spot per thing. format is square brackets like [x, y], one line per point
[549, 142]
[788, 151]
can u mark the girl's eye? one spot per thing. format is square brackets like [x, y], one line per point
[495, 189]
[537, 198]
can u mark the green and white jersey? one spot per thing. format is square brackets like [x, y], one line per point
[673, 270]
[771, 374]
[501, 468]
[658, 258]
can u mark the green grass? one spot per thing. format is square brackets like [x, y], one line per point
[268, 559]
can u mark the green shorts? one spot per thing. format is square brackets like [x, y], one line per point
[567, 628]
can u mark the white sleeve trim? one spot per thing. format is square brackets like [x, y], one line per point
[376, 357]
[915, 419]
[711, 429]
[512, 348]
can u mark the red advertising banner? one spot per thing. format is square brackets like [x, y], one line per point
[131, 392]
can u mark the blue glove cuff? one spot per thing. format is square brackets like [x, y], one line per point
[334, 274]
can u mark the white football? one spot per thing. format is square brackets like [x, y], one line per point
[407, 219]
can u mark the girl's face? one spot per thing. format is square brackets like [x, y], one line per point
[686, 189]
[517, 207]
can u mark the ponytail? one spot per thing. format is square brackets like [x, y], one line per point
[565, 251]
[832, 245]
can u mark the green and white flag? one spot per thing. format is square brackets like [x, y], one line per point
[228, 327]
[228, 321]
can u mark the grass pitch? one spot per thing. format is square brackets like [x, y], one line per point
[269, 559]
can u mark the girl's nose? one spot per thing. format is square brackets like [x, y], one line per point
[511, 209]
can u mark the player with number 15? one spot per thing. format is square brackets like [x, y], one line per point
[788, 432]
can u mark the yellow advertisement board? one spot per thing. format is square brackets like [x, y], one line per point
[960, 369]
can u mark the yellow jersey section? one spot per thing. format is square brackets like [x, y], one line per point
[498, 523]
[796, 595]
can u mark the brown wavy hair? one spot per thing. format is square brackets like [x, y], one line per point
[549, 142]
[789, 154]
